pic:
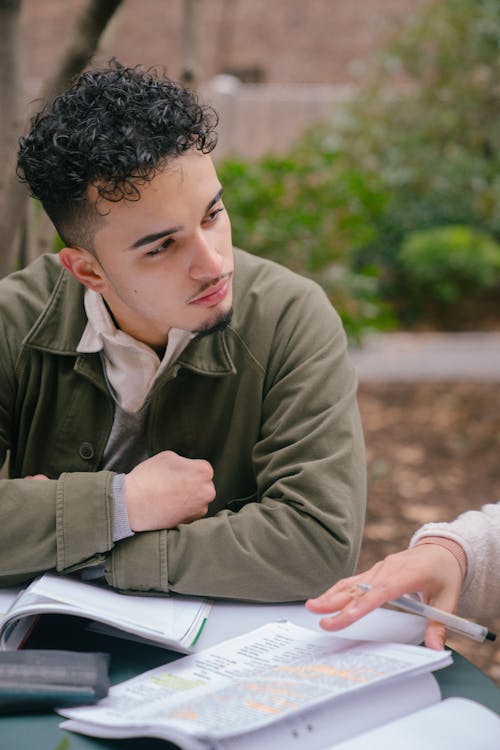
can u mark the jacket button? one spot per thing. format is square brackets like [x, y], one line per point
[86, 451]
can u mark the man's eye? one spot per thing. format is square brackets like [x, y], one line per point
[213, 214]
[160, 249]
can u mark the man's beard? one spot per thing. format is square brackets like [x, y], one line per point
[220, 323]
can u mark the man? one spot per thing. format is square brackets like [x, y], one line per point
[187, 447]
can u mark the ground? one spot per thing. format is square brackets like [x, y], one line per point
[433, 451]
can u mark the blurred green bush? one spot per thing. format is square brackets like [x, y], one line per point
[298, 211]
[418, 148]
[444, 266]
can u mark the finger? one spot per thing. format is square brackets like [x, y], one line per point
[359, 606]
[205, 468]
[435, 635]
[191, 518]
[328, 601]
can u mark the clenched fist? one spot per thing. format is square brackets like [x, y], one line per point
[167, 490]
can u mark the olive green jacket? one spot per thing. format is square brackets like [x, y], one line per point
[269, 402]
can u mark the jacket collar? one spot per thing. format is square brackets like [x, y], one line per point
[59, 328]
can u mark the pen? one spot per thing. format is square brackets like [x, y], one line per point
[452, 622]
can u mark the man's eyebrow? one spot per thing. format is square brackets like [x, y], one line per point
[148, 238]
[215, 200]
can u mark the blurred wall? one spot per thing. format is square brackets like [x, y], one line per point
[257, 119]
[271, 41]
[307, 53]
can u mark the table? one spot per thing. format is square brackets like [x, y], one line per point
[41, 731]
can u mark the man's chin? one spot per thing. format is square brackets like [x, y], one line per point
[218, 324]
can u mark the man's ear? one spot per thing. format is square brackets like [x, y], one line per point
[84, 266]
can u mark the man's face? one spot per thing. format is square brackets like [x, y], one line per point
[166, 260]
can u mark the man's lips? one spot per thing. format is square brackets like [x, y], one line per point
[213, 294]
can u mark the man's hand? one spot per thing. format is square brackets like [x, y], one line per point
[427, 568]
[167, 490]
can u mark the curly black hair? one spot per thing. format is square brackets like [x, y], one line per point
[113, 129]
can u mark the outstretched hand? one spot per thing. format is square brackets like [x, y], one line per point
[428, 569]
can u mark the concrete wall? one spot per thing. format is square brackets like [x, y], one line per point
[256, 119]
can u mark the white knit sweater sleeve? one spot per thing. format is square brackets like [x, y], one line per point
[478, 532]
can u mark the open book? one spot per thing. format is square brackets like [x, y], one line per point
[176, 622]
[278, 685]
[172, 622]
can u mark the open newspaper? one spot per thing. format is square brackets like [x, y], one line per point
[278, 684]
[172, 622]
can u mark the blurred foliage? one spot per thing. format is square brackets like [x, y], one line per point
[434, 140]
[443, 265]
[58, 243]
[418, 147]
[298, 212]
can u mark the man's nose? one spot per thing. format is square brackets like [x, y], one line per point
[206, 262]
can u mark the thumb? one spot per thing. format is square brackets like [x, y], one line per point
[445, 600]
[435, 635]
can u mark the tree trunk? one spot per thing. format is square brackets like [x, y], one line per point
[191, 43]
[74, 57]
[12, 192]
[81, 46]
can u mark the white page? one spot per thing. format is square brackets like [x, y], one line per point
[170, 617]
[139, 698]
[7, 599]
[454, 724]
[387, 625]
[288, 689]
[229, 619]
[314, 729]
[149, 699]
[345, 717]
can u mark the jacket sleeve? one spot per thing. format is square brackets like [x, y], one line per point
[304, 530]
[50, 524]
[61, 524]
[478, 533]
